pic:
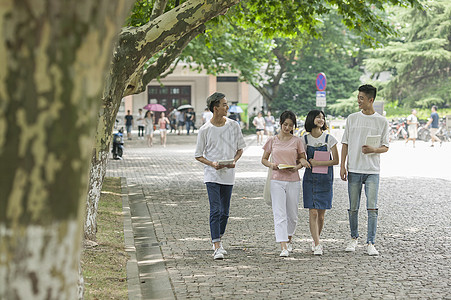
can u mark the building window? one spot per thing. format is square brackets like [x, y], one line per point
[227, 79]
[169, 96]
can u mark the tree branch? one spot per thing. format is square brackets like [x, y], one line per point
[138, 44]
[163, 63]
[158, 8]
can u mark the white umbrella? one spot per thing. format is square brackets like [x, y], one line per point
[185, 106]
[235, 109]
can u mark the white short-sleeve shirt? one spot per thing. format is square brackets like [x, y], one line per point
[358, 127]
[321, 140]
[219, 143]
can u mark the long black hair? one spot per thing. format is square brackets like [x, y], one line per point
[310, 120]
[288, 114]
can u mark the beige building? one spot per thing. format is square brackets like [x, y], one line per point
[185, 86]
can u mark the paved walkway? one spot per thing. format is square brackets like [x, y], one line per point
[169, 216]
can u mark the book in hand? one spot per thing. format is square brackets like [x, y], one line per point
[321, 156]
[373, 141]
[225, 162]
[284, 166]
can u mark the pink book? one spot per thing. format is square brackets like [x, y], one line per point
[321, 156]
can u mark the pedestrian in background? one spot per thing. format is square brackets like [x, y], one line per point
[288, 157]
[163, 122]
[173, 120]
[149, 122]
[269, 124]
[206, 116]
[180, 115]
[140, 123]
[317, 187]
[129, 124]
[363, 163]
[189, 119]
[412, 127]
[433, 123]
[259, 123]
[219, 140]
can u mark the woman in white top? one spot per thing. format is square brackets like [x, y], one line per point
[148, 121]
[317, 183]
[269, 120]
[259, 123]
[412, 123]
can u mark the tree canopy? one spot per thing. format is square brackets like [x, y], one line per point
[418, 58]
[261, 46]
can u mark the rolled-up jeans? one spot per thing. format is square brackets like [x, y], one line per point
[219, 197]
[355, 182]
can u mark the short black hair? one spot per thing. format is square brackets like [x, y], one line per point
[369, 90]
[288, 114]
[310, 120]
[434, 107]
[213, 100]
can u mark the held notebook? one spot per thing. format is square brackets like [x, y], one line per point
[321, 156]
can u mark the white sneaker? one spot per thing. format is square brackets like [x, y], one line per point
[218, 254]
[351, 246]
[289, 247]
[284, 253]
[221, 249]
[318, 250]
[372, 250]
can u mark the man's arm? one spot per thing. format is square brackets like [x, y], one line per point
[213, 164]
[344, 154]
[368, 149]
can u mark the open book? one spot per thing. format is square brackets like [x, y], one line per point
[373, 141]
[225, 162]
[321, 156]
[284, 166]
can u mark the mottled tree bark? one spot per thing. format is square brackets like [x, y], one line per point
[171, 31]
[53, 58]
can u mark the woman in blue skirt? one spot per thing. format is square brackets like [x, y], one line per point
[317, 183]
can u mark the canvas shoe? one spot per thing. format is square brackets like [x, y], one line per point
[318, 250]
[284, 253]
[221, 249]
[218, 255]
[351, 246]
[372, 250]
[290, 247]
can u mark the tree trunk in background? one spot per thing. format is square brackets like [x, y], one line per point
[135, 47]
[53, 57]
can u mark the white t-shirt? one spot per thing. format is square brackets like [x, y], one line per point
[259, 122]
[206, 116]
[138, 121]
[320, 141]
[413, 119]
[219, 143]
[358, 127]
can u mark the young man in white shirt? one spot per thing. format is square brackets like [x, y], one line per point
[363, 165]
[219, 139]
[140, 123]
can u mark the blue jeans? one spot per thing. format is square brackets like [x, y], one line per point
[219, 196]
[189, 124]
[355, 182]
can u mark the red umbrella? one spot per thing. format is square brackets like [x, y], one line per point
[154, 107]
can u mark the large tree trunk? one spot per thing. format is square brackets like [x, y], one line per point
[53, 57]
[126, 77]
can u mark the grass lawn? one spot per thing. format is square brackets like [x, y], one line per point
[104, 266]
